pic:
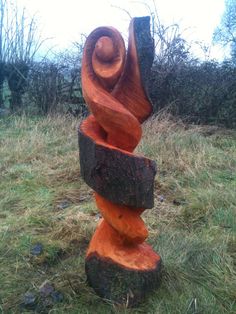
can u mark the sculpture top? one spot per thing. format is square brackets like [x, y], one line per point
[113, 85]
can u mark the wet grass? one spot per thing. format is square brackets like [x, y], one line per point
[44, 200]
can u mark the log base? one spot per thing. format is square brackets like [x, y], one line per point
[120, 285]
[121, 272]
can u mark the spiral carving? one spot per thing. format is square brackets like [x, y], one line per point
[113, 84]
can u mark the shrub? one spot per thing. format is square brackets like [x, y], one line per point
[202, 92]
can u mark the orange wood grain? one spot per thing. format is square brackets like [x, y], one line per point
[129, 90]
[126, 221]
[134, 257]
[122, 128]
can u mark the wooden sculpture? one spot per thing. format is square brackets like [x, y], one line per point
[120, 266]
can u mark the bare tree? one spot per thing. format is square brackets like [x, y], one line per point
[19, 42]
[225, 33]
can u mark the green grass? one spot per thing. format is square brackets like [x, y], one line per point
[193, 229]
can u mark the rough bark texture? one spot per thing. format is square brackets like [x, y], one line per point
[118, 284]
[121, 178]
[145, 48]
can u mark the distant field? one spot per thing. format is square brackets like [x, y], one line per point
[43, 200]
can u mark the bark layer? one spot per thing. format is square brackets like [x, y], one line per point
[121, 178]
[118, 284]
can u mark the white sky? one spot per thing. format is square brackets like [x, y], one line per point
[65, 20]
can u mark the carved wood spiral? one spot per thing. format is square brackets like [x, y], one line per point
[113, 83]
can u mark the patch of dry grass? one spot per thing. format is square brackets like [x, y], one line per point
[44, 200]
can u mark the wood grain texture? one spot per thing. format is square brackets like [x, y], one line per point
[113, 84]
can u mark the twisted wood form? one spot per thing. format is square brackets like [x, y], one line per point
[113, 84]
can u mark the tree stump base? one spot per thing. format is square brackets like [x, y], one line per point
[121, 274]
[120, 285]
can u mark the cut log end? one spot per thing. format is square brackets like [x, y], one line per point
[118, 284]
[119, 271]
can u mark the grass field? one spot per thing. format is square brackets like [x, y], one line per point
[43, 200]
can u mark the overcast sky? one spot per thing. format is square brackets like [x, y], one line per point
[64, 20]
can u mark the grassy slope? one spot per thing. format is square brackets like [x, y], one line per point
[193, 228]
